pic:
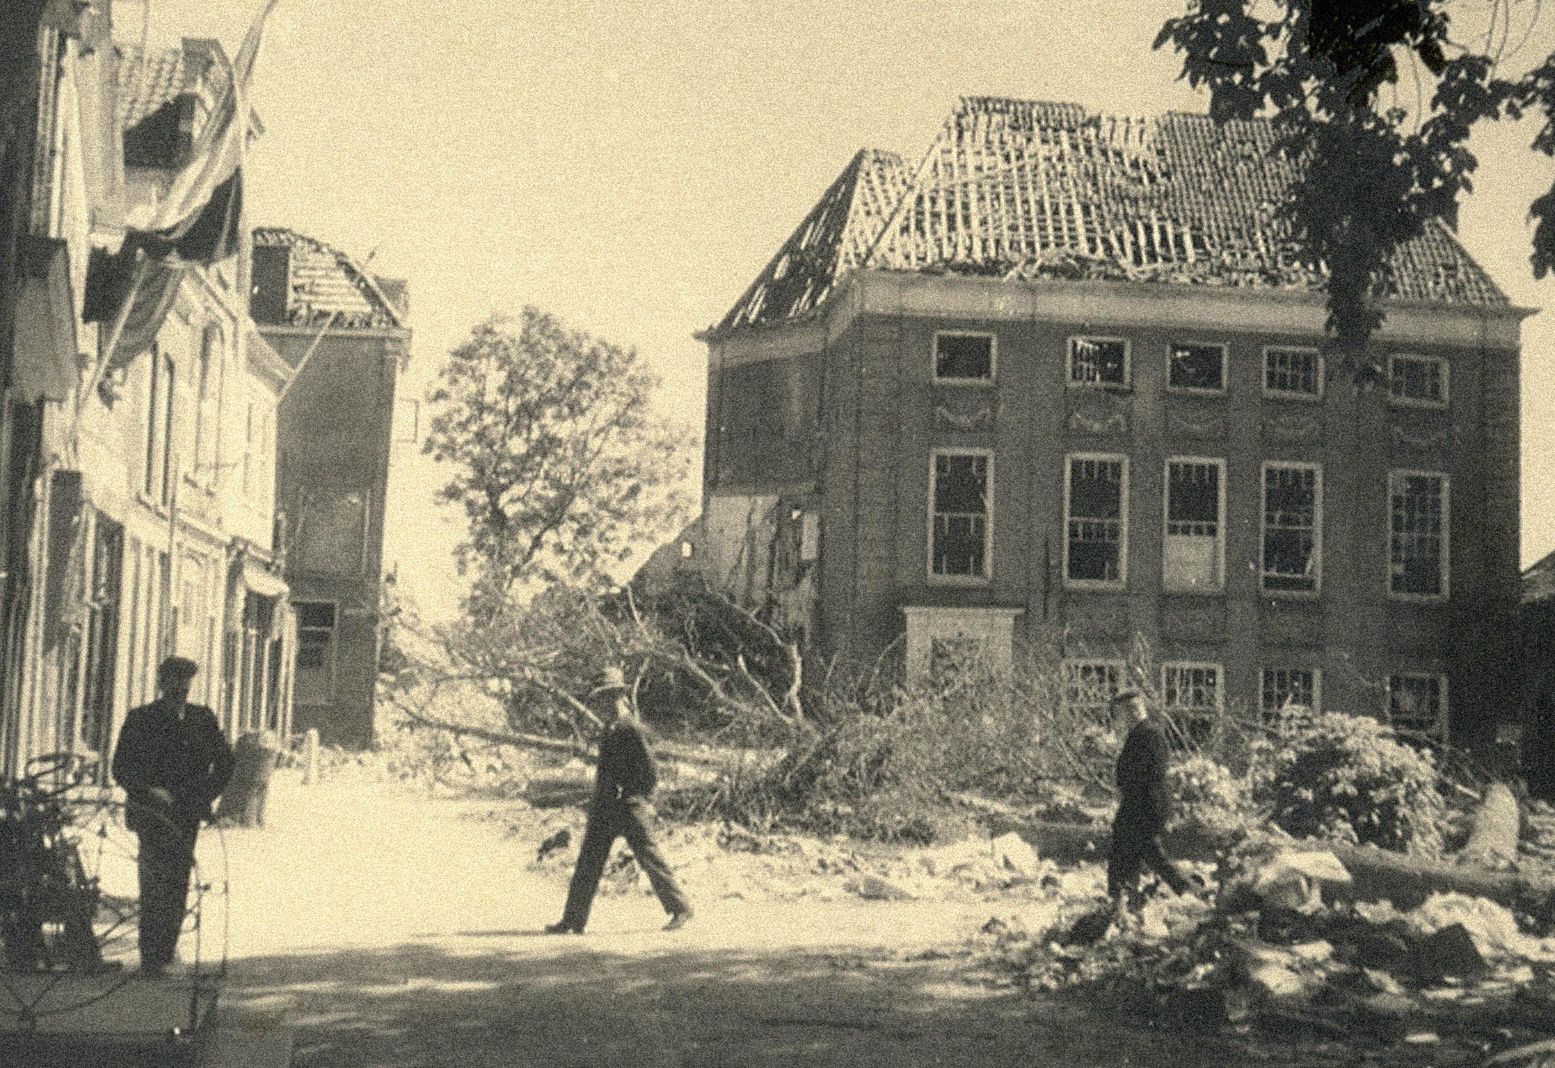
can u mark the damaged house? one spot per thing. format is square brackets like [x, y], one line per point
[1061, 383]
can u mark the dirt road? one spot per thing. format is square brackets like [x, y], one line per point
[389, 932]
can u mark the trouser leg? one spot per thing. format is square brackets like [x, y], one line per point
[599, 836]
[1122, 866]
[637, 827]
[1155, 858]
[166, 858]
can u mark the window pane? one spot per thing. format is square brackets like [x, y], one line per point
[1088, 689]
[1192, 693]
[1290, 528]
[1415, 703]
[1196, 367]
[1095, 523]
[1291, 371]
[1100, 361]
[1191, 552]
[960, 532]
[1417, 378]
[962, 356]
[1288, 686]
[1417, 534]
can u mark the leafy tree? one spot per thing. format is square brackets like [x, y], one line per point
[560, 467]
[1373, 172]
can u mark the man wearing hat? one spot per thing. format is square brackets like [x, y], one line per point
[173, 762]
[1144, 803]
[623, 787]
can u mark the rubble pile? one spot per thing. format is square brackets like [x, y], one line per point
[1278, 939]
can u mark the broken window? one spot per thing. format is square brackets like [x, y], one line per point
[315, 681]
[1088, 689]
[962, 480]
[967, 357]
[1417, 505]
[1192, 696]
[1094, 519]
[1191, 553]
[1417, 702]
[1417, 380]
[1197, 367]
[1293, 372]
[1287, 686]
[1292, 531]
[1098, 361]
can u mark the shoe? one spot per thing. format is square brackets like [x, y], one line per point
[153, 971]
[679, 920]
[562, 927]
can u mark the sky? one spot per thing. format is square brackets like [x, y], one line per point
[631, 167]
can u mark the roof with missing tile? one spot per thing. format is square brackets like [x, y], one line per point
[148, 80]
[325, 284]
[1030, 190]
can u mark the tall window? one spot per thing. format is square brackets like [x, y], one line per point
[1292, 372]
[1089, 686]
[206, 423]
[248, 451]
[1418, 702]
[1193, 696]
[1284, 686]
[1195, 507]
[315, 681]
[1292, 527]
[961, 491]
[1195, 367]
[1419, 381]
[1417, 542]
[960, 357]
[1096, 520]
[159, 426]
[1098, 361]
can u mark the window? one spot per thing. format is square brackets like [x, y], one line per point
[1088, 689]
[248, 451]
[1199, 368]
[963, 357]
[1418, 381]
[1417, 523]
[1098, 361]
[315, 680]
[1192, 694]
[1417, 702]
[1292, 527]
[1096, 520]
[1195, 506]
[1288, 686]
[159, 427]
[961, 492]
[1289, 372]
[206, 423]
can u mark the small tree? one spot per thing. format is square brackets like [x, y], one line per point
[561, 469]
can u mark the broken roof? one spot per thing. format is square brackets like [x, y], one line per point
[1027, 189]
[324, 282]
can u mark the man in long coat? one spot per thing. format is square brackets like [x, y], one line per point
[621, 807]
[173, 762]
[1144, 803]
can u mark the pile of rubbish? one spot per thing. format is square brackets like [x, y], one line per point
[1278, 938]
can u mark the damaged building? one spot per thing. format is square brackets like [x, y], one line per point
[1061, 384]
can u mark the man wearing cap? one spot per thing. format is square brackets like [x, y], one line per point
[1144, 803]
[623, 787]
[173, 762]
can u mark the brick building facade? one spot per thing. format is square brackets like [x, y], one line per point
[1062, 387]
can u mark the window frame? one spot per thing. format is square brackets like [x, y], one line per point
[961, 580]
[1317, 686]
[334, 644]
[1444, 714]
[1121, 582]
[1128, 363]
[1316, 468]
[1200, 391]
[1220, 522]
[1072, 664]
[1421, 402]
[1219, 711]
[1445, 557]
[1271, 393]
[952, 380]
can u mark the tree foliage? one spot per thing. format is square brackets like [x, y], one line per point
[559, 465]
[1331, 74]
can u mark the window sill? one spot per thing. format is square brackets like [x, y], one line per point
[1201, 592]
[960, 580]
[1422, 599]
[1295, 398]
[975, 383]
[1195, 391]
[1089, 586]
[1305, 596]
[1103, 387]
[152, 503]
[1416, 405]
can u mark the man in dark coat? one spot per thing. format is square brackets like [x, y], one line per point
[173, 762]
[1144, 804]
[621, 807]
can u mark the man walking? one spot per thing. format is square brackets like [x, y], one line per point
[623, 787]
[173, 762]
[1144, 804]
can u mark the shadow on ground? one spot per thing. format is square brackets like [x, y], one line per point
[497, 998]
